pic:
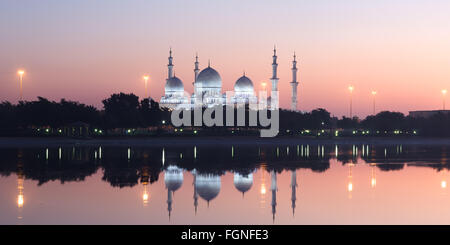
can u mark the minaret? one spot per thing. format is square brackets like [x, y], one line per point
[170, 65]
[274, 80]
[196, 70]
[274, 193]
[294, 84]
[294, 189]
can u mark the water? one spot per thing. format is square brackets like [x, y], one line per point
[295, 184]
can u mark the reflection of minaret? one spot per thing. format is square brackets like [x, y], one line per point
[274, 193]
[194, 172]
[173, 178]
[294, 85]
[274, 80]
[169, 201]
[294, 190]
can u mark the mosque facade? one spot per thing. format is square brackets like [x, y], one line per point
[208, 88]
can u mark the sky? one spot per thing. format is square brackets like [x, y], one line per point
[85, 50]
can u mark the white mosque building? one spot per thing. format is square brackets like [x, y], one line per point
[208, 88]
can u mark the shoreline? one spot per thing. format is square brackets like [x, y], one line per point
[9, 142]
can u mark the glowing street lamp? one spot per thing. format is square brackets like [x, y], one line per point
[146, 77]
[20, 73]
[264, 84]
[444, 93]
[374, 93]
[351, 88]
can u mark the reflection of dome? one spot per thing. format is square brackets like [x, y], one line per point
[209, 78]
[243, 84]
[208, 186]
[174, 84]
[173, 178]
[243, 183]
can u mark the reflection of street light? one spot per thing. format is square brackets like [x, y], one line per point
[20, 201]
[373, 179]
[443, 184]
[350, 182]
[21, 72]
[263, 189]
[444, 93]
[374, 93]
[145, 83]
[351, 88]
[145, 195]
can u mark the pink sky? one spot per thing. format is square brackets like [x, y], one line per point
[84, 50]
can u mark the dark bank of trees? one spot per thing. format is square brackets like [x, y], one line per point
[125, 111]
[119, 111]
[42, 112]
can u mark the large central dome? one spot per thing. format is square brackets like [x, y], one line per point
[174, 84]
[209, 78]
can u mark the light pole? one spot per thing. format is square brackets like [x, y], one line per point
[374, 93]
[351, 88]
[146, 77]
[20, 73]
[444, 93]
[264, 95]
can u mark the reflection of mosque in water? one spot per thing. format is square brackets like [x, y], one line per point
[127, 167]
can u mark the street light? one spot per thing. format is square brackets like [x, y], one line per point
[351, 88]
[444, 93]
[263, 95]
[146, 77]
[264, 84]
[374, 93]
[20, 73]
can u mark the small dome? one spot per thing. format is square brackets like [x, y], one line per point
[209, 78]
[173, 178]
[174, 84]
[243, 84]
[243, 183]
[208, 186]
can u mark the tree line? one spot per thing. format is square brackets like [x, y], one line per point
[128, 111]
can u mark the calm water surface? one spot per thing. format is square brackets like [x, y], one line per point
[296, 184]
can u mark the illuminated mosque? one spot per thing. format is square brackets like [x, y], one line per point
[208, 88]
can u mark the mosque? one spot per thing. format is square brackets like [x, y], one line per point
[208, 88]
